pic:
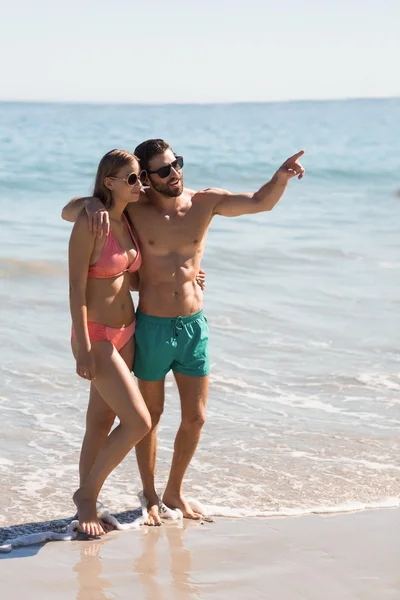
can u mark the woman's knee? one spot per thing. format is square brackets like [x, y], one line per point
[144, 423]
[138, 423]
[100, 422]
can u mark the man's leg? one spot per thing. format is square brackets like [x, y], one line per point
[146, 449]
[193, 393]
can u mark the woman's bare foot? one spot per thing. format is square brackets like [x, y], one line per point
[178, 501]
[87, 514]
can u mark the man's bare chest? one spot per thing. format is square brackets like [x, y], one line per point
[163, 233]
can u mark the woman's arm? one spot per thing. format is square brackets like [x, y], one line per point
[81, 245]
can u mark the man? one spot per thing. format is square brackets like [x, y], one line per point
[171, 330]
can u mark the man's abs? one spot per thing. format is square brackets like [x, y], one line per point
[172, 250]
[170, 299]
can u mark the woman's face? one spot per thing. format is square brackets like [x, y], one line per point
[125, 185]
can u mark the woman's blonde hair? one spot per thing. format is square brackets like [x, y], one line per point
[109, 166]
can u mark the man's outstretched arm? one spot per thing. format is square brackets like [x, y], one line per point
[234, 205]
[98, 219]
[73, 209]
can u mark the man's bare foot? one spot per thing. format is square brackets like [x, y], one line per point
[107, 527]
[87, 514]
[178, 501]
[153, 502]
[153, 518]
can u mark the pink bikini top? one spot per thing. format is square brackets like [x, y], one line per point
[113, 260]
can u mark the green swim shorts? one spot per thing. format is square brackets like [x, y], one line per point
[163, 343]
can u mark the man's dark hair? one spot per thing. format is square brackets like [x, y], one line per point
[148, 150]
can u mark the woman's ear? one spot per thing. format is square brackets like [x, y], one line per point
[108, 183]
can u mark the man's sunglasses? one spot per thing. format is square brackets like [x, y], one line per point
[132, 178]
[163, 172]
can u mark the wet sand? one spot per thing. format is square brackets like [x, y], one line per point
[344, 557]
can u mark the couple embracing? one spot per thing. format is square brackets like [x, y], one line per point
[151, 239]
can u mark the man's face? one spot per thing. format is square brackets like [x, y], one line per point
[172, 184]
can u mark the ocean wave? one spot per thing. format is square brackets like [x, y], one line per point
[329, 252]
[346, 507]
[15, 268]
[389, 381]
[349, 175]
[385, 264]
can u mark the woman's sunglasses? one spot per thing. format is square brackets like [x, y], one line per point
[163, 172]
[132, 178]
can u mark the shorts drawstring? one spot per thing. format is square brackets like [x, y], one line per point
[178, 326]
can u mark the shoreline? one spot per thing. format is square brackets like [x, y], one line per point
[346, 556]
[60, 523]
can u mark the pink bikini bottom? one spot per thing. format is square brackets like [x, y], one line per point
[117, 336]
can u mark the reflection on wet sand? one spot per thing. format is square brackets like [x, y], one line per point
[89, 569]
[162, 565]
[154, 570]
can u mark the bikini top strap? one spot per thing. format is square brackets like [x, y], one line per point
[131, 232]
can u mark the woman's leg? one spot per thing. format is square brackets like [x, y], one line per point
[115, 383]
[99, 420]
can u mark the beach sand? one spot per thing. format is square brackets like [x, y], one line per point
[346, 557]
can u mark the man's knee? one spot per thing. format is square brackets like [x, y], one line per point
[155, 416]
[153, 396]
[143, 425]
[194, 421]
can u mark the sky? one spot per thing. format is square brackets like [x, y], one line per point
[194, 52]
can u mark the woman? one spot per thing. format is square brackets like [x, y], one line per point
[102, 272]
[103, 318]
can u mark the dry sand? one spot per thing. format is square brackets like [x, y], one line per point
[342, 557]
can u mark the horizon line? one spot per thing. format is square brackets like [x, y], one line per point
[206, 103]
